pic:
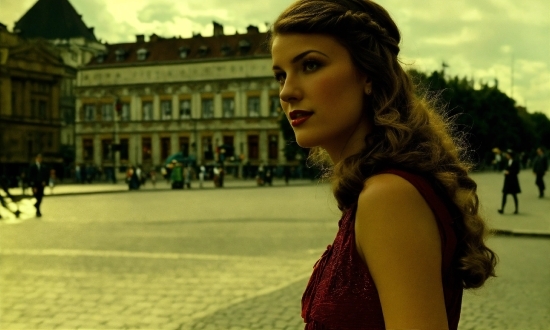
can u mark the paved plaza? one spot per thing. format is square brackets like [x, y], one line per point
[231, 258]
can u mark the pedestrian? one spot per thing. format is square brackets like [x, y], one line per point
[410, 238]
[287, 174]
[269, 175]
[511, 182]
[540, 166]
[78, 174]
[52, 180]
[202, 172]
[187, 176]
[38, 176]
[176, 175]
[260, 177]
[23, 182]
[153, 176]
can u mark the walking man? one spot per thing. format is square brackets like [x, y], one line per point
[540, 166]
[38, 176]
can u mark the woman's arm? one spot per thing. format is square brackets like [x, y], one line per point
[398, 238]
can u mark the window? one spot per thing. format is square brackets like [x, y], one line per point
[165, 148]
[142, 54]
[42, 109]
[275, 106]
[184, 145]
[203, 50]
[34, 108]
[88, 149]
[106, 150]
[244, 46]
[89, 112]
[68, 115]
[208, 152]
[120, 55]
[254, 106]
[253, 150]
[107, 112]
[184, 51]
[146, 149]
[166, 109]
[147, 108]
[228, 141]
[185, 109]
[125, 112]
[124, 155]
[228, 107]
[14, 107]
[273, 147]
[207, 108]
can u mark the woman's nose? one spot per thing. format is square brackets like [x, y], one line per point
[291, 91]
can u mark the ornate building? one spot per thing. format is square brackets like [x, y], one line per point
[30, 85]
[58, 23]
[212, 98]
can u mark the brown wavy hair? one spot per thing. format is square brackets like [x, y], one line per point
[410, 132]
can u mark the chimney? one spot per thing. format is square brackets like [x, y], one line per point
[251, 29]
[140, 38]
[218, 29]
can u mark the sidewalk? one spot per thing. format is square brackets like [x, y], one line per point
[65, 189]
[533, 218]
[534, 213]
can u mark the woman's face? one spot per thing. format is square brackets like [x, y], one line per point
[322, 93]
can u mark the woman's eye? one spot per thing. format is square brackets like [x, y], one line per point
[311, 66]
[280, 77]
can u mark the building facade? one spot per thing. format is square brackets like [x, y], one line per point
[30, 85]
[57, 22]
[214, 99]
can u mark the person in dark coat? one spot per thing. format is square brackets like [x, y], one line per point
[511, 182]
[38, 177]
[540, 166]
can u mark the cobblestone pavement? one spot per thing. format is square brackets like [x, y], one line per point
[211, 259]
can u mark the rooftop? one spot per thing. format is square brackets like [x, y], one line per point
[53, 19]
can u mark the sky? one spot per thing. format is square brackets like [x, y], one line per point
[482, 40]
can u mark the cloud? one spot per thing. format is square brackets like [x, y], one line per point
[476, 38]
[158, 12]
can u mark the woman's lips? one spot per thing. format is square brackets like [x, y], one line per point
[298, 117]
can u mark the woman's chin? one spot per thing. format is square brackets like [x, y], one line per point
[307, 143]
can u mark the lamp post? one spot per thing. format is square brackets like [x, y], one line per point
[115, 146]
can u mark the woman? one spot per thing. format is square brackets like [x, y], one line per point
[410, 237]
[511, 182]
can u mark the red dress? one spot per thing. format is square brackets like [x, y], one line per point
[341, 293]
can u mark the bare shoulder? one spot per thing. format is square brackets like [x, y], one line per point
[396, 235]
[390, 206]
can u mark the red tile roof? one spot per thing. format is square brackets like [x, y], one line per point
[252, 44]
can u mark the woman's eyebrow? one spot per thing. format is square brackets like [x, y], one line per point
[301, 56]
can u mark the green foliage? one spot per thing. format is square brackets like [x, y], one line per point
[488, 116]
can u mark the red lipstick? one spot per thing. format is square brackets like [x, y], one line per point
[298, 117]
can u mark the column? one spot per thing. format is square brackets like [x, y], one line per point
[263, 146]
[264, 102]
[175, 107]
[155, 146]
[97, 150]
[156, 108]
[217, 105]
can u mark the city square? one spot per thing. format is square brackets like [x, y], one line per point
[237, 257]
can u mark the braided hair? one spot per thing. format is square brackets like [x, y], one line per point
[409, 132]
